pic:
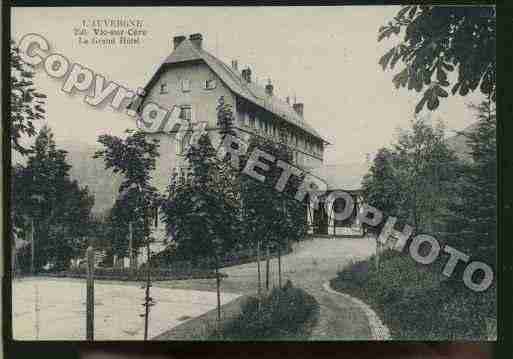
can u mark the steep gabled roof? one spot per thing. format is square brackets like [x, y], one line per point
[251, 92]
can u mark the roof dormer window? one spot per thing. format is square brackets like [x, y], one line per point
[163, 88]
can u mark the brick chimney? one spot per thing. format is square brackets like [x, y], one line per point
[246, 75]
[177, 40]
[269, 88]
[235, 65]
[196, 40]
[298, 107]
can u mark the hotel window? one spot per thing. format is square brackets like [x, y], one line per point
[183, 143]
[186, 113]
[210, 84]
[186, 85]
[163, 88]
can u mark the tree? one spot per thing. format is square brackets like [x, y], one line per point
[437, 41]
[290, 225]
[135, 158]
[27, 104]
[413, 181]
[425, 166]
[473, 217]
[198, 213]
[218, 182]
[196, 210]
[271, 218]
[126, 212]
[381, 187]
[57, 208]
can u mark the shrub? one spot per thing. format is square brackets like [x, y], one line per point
[417, 301]
[357, 276]
[284, 313]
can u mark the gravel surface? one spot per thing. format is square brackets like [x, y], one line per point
[61, 309]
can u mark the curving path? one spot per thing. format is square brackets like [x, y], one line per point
[309, 266]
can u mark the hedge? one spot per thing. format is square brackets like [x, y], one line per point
[157, 274]
[169, 257]
[416, 301]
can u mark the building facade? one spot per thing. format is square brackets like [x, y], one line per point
[193, 80]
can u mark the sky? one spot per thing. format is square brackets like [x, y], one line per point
[325, 57]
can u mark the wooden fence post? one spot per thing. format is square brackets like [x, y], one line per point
[90, 295]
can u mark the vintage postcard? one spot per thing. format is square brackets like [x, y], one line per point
[253, 173]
